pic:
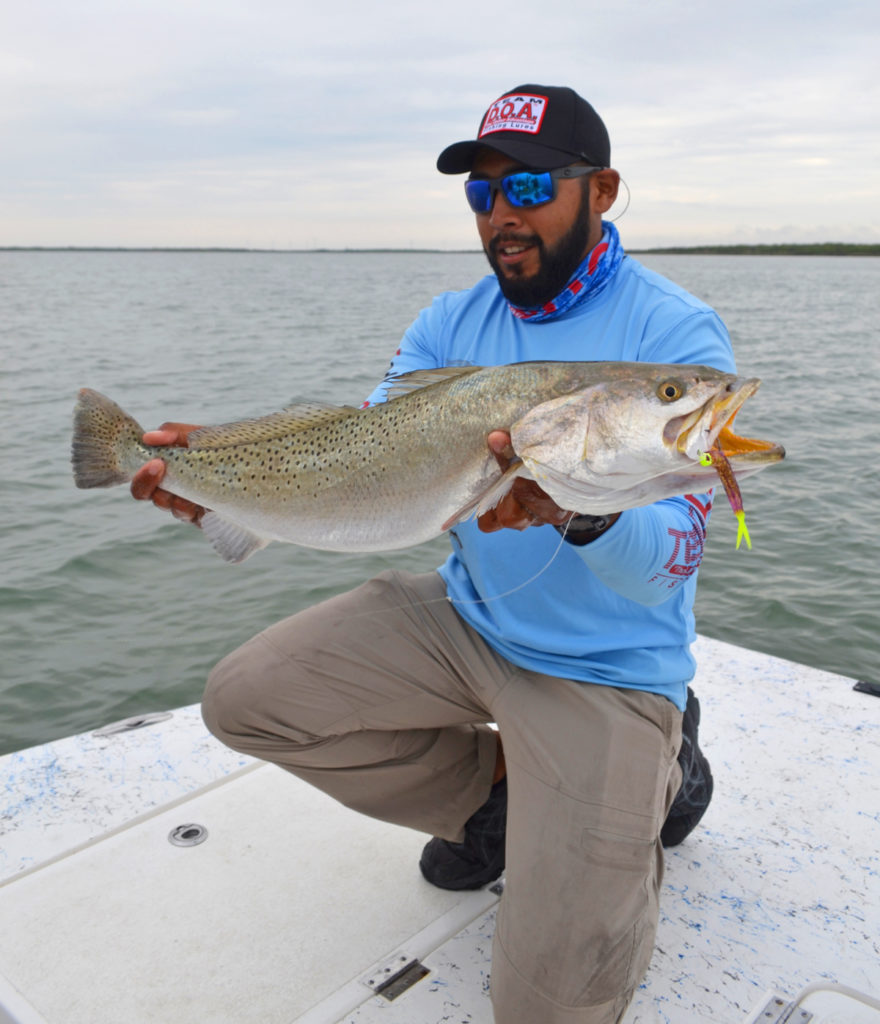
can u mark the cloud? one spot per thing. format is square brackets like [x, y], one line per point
[263, 123]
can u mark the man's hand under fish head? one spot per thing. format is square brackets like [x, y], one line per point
[525, 504]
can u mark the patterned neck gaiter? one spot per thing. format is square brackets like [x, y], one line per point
[590, 278]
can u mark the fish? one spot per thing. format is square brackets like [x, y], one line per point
[598, 437]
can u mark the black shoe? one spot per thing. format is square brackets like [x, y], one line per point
[480, 858]
[693, 798]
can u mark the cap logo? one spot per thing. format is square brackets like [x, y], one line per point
[515, 113]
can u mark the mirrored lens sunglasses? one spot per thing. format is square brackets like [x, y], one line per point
[520, 188]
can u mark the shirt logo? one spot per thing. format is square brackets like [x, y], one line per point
[515, 113]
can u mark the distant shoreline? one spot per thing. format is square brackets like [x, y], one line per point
[782, 249]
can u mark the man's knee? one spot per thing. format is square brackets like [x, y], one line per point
[223, 699]
[252, 702]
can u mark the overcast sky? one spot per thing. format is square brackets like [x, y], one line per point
[286, 124]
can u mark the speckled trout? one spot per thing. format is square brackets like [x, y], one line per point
[598, 437]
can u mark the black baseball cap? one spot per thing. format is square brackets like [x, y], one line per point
[540, 126]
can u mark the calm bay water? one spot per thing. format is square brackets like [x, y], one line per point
[108, 608]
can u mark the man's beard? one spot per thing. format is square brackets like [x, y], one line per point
[555, 266]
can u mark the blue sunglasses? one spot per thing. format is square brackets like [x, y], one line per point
[520, 188]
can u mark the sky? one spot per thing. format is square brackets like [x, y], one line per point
[284, 124]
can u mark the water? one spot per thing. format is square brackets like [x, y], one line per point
[108, 608]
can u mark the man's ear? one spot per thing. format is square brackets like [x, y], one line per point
[604, 185]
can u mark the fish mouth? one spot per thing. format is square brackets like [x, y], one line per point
[711, 426]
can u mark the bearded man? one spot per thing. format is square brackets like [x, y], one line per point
[383, 697]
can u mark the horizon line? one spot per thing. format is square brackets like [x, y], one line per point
[733, 248]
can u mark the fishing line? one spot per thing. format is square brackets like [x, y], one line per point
[478, 600]
[507, 593]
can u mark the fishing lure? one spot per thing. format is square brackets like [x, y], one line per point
[716, 457]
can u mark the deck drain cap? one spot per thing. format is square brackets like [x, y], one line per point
[188, 835]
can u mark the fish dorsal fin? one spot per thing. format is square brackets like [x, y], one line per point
[310, 414]
[415, 380]
[265, 428]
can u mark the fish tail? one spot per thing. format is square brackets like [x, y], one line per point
[102, 437]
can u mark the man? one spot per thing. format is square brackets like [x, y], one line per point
[382, 697]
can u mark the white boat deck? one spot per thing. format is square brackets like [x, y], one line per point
[292, 905]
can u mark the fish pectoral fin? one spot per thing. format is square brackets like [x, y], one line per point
[489, 496]
[232, 542]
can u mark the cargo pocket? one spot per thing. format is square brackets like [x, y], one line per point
[618, 839]
[622, 860]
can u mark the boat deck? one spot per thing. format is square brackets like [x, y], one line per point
[296, 910]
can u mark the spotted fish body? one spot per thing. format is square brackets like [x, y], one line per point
[391, 475]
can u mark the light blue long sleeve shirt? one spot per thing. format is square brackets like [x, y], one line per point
[617, 611]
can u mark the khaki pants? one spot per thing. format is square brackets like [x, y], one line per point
[380, 697]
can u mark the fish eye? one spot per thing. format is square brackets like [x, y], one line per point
[670, 390]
